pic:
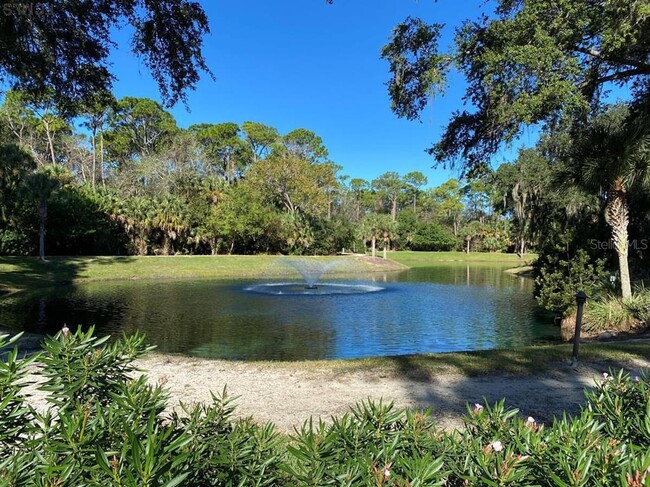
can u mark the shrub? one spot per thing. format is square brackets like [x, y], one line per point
[107, 427]
[639, 305]
[613, 313]
[559, 277]
[610, 313]
[374, 444]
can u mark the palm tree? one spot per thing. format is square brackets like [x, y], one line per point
[368, 230]
[612, 157]
[41, 185]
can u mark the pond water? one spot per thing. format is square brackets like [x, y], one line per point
[435, 309]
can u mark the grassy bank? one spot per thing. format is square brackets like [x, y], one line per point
[519, 361]
[17, 273]
[424, 259]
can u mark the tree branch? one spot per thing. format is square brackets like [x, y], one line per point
[621, 75]
[643, 67]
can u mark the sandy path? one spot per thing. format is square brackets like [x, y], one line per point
[288, 397]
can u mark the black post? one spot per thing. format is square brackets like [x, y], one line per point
[581, 298]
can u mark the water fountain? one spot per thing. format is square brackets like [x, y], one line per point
[311, 271]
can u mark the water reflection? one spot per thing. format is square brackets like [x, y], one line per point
[443, 308]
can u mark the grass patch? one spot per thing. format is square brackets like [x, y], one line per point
[17, 273]
[425, 259]
[521, 361]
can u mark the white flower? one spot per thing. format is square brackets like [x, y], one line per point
[386, 473]
[497, 446]
[478, 408]
[530, 420]
[65, 330]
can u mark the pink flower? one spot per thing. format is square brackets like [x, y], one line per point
[497, 446]
[386, 473]
[65, 330]
[477, 408]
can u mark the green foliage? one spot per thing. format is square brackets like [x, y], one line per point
[622, 404]
[608, 313]
[432, 237]
[526, 63]
[167, 36]
[223, 451]
[374, 444]
[109, 427]
[558, 278]
[639, 305]
[81, 368]
[614, 313]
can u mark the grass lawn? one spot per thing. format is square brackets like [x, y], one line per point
[424, 259]
[525, 360]
[17, 273]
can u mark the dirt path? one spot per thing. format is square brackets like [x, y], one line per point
[287, 396]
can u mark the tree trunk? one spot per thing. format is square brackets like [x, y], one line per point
[50, 142]
[42, 218]
[385, 250]
[101, 157]
[522, 248]
[93, 138]
[393, 210]
[617, 216]
[468, 240]
[166, 245]
[373, 246]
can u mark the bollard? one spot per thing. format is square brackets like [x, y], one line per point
[581, 299]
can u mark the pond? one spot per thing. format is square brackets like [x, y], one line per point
[435, 309]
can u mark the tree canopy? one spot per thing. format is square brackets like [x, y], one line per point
[63, 47]
[530, 62]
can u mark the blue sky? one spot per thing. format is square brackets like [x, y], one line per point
[304, 63]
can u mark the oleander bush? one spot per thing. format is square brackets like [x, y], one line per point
[105, 425]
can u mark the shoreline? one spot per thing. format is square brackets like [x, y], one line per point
[288, 397]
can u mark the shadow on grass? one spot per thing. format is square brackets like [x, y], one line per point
[27, 273]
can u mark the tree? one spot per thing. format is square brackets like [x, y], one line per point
[223, 149]
[95, 112]
[449, 198]
[530, 63]
[360, 189]
[15, 165]
[520, 190]
[414, 181]
[368, 230]
[137, 127]
[612, 157]
[390, 186]
[41, 185]
[293, 183]
[305, 144]
[478, 197]
[64, 47]
[36, 125]
[261, 138]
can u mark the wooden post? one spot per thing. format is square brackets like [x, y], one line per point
[581, 299]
